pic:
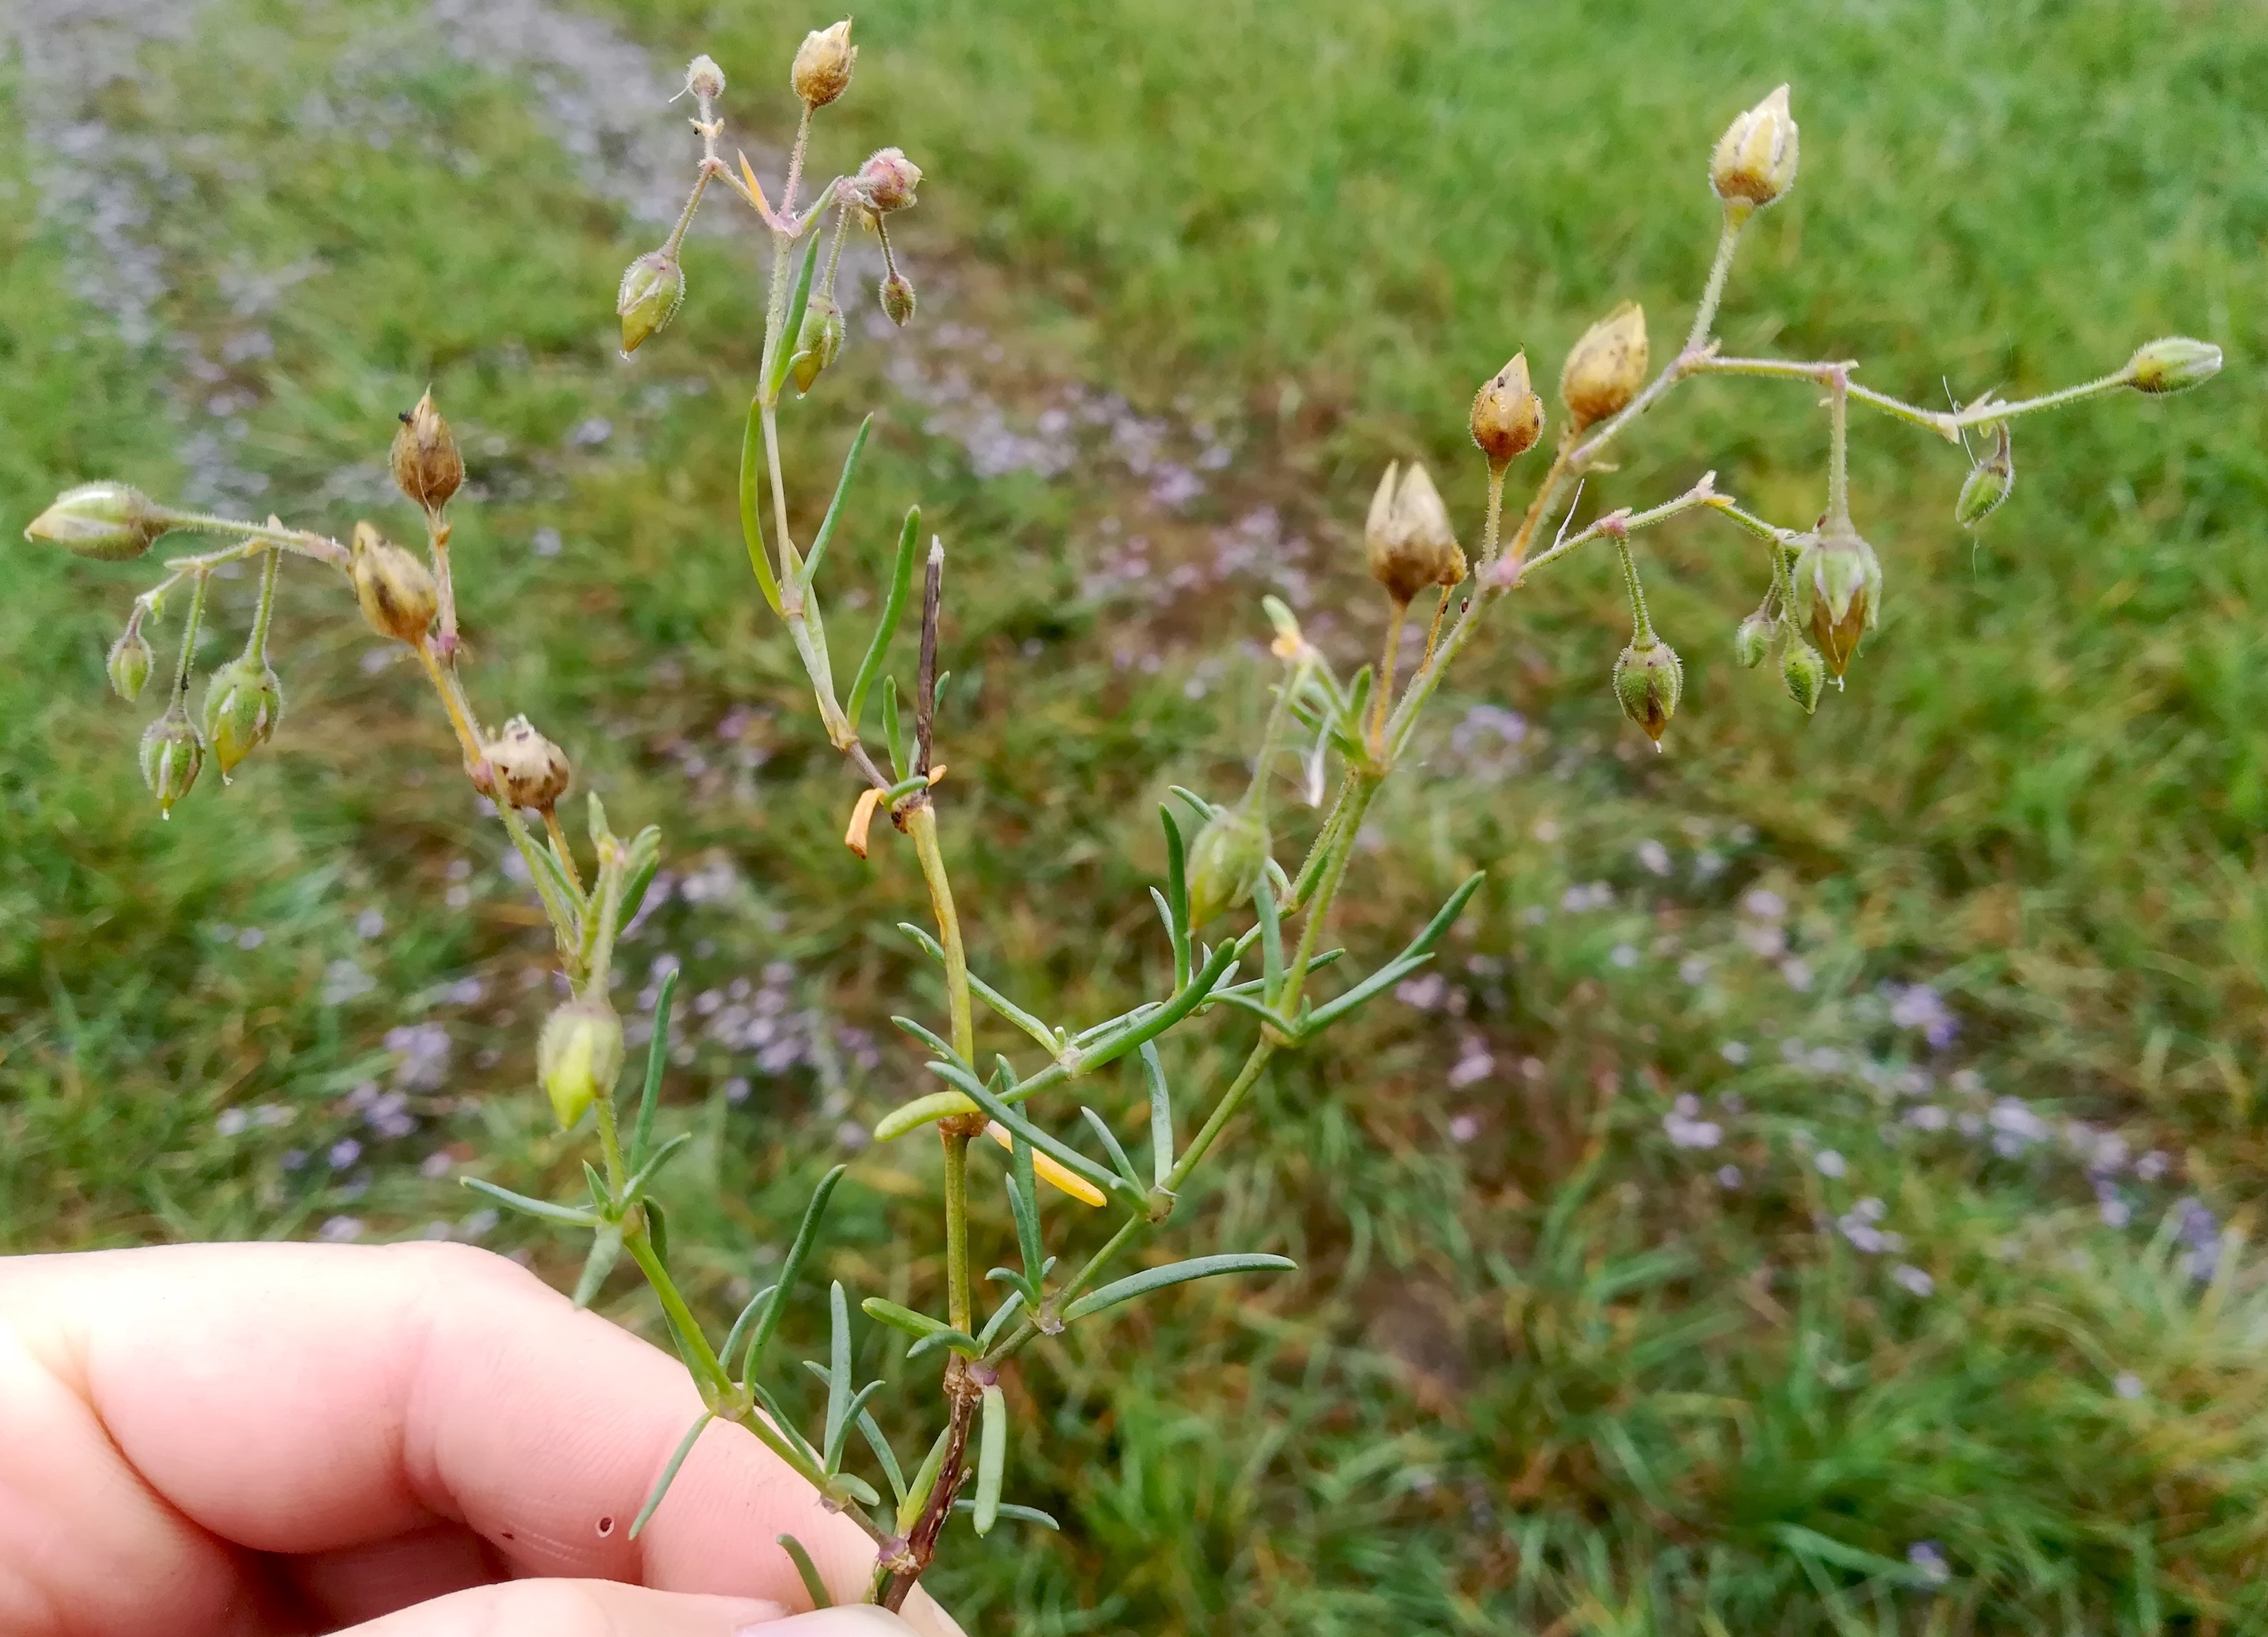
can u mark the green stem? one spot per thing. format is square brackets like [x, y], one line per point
[188, 640]
[1728, 241]
[1839, 448]
[295, 540]
[1223, 1111]
[1641, 627]
[1364, 786]
[958, 1306]
[258, 644]
[921, 824]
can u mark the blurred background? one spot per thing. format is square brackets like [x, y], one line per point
[1811, 1193]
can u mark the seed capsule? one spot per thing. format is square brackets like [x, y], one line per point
[2172, 363]
[579, 1057]
[822, 65]
[1407, 536]
[395, 588]
[243, 701]
[171, 756]
[1839, 575]
[1988, 482]
[1752, 641]
[426, 465]
[1648, 680]
[817, 341]
[887, 181]
[1803, 673]
[1226, 861]
[652, 290]
[1606, 367]
[1754, 161]
[898, 299]
[111, 521]
[1507, 416]
[527, 770]
[129, 661]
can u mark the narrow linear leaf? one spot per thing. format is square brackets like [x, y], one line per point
[1024, 1206]
[919, 1112]
[834, 507]
[669, 1474]
[1420, 951]
[924, 1479]
[544, 1209]
[838, 1371]
[1152, 1279]
[1069, 1157]
[1161, 1116]
[1001, 1314]
[991, 1458]
[739, 1334]
[1110, 1146]
[960, 1340]
[661, 1156]
[657, 1059]
[787, 1428]
[1202, 808]
[831, 1456]
[1017, 1513]
[806, 1235]
[606, 1248]
[1007, 1009]
[1176, 905]
[894, 608]
[556, 873]
[813, 1587]
[934, 1040]
[657, 1228]
[752, 528]
[872, 1434]
[892, 732]
[791, 318]
[901, 1318]
[1271, 942]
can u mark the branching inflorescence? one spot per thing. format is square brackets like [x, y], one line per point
[1823, 590]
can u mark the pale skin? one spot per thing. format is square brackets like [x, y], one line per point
[403, 1441]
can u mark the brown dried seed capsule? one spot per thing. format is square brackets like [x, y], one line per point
[1507, 416]
[1407, 536]
[395, 588]
[1605, 369]
[822, 65]
[426, 465]
[527, 769]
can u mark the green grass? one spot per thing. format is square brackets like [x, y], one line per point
[1540, 1371]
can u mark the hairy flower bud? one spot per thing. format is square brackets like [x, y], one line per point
[426, 465]
[2172, 363]
[395, 588]
[822, 65]
[1803, 673]
[1752, 641]
[1606, 367]
[898, 298]
[1754, 161]
[172, 755]
[817, 341]
[1988, 482]
[1648, 680]
[1507, 415]
[887, 181]
[108, 520]
[525, 769]
[243, 701]
[652, 290]
[703, 79]
[129, 661]
[1407, 536]
[1226, 862]
[579, 1057]
[1839, 575]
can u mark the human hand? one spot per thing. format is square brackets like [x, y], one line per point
[412, 1441]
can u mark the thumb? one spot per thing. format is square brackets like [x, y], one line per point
[576, 1608]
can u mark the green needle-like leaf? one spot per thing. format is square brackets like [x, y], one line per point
[813, 1587]
[752, 528]
[739, 1334]
[792, 319]
[1152, 1279]
[1161, 1116]
[871, 1432]
[1061, 1152]
[1177, 895]
[669, 1474]
[1015, 1514]
[838, 1371]
[901, 1318]
[1110, 1146]
[657, 1059]
[1421, 949]
[544, 1209]
[834, 507]
[924, 1479]
[893, 607]
[806, 1235]
[606, 1248]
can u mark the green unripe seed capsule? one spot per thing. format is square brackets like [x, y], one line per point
[130, 663]
[1804, 673]
[2172, 363]
[1988, 483]
[817, 343]
[1226, 858]
[243, 703]
[898, 299]
[111, 521]
[579, 1057]
[1752, 641]
[1648, 680]
[652, 290]
[171, 757]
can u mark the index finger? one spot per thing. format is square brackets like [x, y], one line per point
[162, 1405]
